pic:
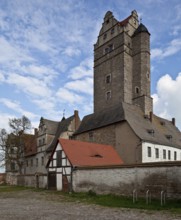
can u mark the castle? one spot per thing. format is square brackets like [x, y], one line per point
[123, 108]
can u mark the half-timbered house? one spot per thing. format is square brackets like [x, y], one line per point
[68, 155]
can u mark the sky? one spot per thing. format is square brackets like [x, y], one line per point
[46, 55]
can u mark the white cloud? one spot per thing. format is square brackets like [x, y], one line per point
[167, 100]
[2, 78]
[176, 30]
[83, 70]
[29, 85]
[83, 86]
[4, 119]
[66, 96]
[11, 52]
[71, 51]
[16, 106]
[173, 48]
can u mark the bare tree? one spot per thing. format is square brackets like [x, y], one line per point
[12, 145]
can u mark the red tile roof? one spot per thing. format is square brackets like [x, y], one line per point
[30, 144]
[89, 154]
[125, 21]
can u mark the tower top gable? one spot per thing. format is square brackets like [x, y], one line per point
[141, 28]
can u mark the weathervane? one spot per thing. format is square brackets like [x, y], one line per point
[140, 20]
[64, 113]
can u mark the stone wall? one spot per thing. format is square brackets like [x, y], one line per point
[11, 178]
[38, 181]
[2, 178]
[123, 180]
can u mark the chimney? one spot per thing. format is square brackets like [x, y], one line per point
[151, 116]
[173, 121]
[77, 120]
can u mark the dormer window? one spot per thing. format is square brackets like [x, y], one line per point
[97, 155]
[169, 137]
[162, 123]
[151, 132]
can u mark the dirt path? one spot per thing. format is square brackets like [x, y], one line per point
[29, 205]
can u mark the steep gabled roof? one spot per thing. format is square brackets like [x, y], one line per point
[51, 126]
[125, 21]
[89, 154]
[101, 119]
[62, 127]
[159, 130]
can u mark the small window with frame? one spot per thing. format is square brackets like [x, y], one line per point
[175, 155]
[164, 154]
[108, 79]
[137, 91]
[104, 36]
[108, 95]
[112, 31]
[149, 151]
[157, 153]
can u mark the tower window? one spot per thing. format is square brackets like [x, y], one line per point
[112, 31]
[137, 90]
[108, 79]
[108, 95]
[105, 36]
[107, 21]
[109, 48]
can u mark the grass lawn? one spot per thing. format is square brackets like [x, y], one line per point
[127, 202]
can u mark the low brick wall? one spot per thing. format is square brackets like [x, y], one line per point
[123, 180]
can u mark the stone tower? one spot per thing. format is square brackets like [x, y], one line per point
[122, 64]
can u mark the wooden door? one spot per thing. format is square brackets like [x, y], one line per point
[52, 180]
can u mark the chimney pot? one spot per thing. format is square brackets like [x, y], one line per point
[173, 121]
[151, 116]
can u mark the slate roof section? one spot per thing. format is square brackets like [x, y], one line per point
[101, 119]
[51, 126]
[156, 131]
[89, 154]
[141, 28]
[61, 127]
